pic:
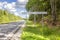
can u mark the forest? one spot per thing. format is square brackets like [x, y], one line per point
[52, 7]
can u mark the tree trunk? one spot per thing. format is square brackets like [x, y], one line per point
[53, 12]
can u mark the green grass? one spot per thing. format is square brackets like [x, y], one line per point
[40, 33]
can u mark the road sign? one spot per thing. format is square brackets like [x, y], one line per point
[29, 13]
[34, 12]
[37, 12]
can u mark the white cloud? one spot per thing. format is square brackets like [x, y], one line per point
[1, 5]
[4, 2]
[21, 3]
[13, 10]
[22, 0]
[16, 13]
[21, 6]
[10, 6]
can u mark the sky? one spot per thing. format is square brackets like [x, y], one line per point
[14, 6]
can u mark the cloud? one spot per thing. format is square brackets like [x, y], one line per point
[14, 7]
[1, 5]
[8, 6]
[22, 1]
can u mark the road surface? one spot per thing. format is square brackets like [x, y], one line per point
[11, 31]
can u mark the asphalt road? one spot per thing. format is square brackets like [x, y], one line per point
[10, 27]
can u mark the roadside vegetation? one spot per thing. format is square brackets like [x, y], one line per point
[39, 32]
[6, 17]
[52, 7]
[51, 27]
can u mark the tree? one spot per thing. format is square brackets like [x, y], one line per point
[6, 17]
[51, 6]
[53, 11]
[37, 6]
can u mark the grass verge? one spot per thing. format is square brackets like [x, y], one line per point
[40, 33]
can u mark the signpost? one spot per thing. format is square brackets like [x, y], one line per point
[35, 13]
[35, 18]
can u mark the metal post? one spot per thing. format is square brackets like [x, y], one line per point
[34, 20]
[42, 24]
[42, 21]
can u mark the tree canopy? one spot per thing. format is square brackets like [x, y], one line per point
[50, 6]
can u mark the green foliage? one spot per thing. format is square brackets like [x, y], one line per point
[6, 17]
[43, 5]
[40, 33]
[38, 6]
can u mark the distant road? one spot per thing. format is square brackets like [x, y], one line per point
[11, 31]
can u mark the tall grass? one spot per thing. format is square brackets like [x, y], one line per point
[40, 33]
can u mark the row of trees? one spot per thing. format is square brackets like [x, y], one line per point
[50, 6]
[6, 17]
